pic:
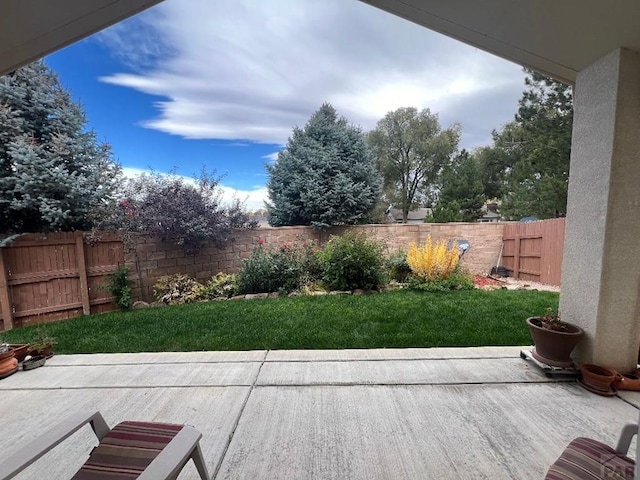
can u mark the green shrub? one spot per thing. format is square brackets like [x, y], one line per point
[220, 286]
[118, 285]
[282, 269]
[399, 269]
[177, 289]
[458, 280]
[352, 261]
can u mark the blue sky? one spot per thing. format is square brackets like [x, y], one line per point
[194, 83]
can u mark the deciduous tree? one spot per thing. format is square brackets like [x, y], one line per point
[411, 148]
[169, 207]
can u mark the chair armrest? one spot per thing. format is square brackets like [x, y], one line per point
[627, 434]
[36, 448]
[174, 456]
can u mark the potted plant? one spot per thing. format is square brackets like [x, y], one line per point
[8, 362]
[554, 339]
[42, 344]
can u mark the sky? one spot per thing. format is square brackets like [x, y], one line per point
[221, 84]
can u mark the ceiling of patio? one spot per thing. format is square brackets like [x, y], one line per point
[558, 38]
[30, 29]
[555, 37]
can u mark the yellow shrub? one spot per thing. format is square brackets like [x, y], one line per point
[432, 261]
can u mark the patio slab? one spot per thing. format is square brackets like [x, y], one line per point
[632, 398]
[358, 414]
[408, 432]
[26, 413]
[391, 354]
[400, 372]
[142, 375]
[157, 357]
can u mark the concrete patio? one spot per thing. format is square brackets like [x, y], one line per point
[344, 414]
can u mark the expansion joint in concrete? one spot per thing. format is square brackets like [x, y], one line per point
[216, 470]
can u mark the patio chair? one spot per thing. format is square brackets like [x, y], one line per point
[588, 459]
[142, 450]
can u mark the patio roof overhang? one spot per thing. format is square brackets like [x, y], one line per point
[555, 38]
[30, 29]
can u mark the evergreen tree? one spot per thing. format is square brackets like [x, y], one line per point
[411, 149]
[461, 186]
[325, 175]
[528, 164]
[52, 171]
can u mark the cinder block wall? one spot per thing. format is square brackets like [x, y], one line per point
[153, 258]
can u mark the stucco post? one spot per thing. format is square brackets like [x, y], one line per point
[601, 264]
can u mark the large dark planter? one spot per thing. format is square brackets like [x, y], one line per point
[552, 347]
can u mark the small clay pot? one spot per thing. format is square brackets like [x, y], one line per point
[7, 355]
[627, 381]
[8, 367]
[597, 377]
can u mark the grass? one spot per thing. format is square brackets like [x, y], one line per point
[394, 319]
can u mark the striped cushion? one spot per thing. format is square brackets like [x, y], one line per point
[127, 450]
[587, 459]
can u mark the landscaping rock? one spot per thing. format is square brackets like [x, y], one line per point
[237, 297]
[140, 304]
[157, 303]
[318, 293]
[490, 288]
[256, 296]
[294, 294]
[339, 292]
[274, 295]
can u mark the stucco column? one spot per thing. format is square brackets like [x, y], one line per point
[601, 264]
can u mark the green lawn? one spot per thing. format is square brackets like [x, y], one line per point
[394, 319]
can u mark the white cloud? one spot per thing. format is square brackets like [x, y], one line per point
[272, 157]
[248, 70]
[252, 199]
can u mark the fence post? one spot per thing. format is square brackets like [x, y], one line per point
[516, 257]
[82, 274]
[5, 296]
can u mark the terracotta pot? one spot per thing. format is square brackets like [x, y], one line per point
[20, 350]
[596, 377]
[7, 366]
[7, 355]
[627, 381]
[552, 347]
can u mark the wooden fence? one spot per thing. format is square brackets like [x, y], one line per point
[60, 276]
[533, 251]
[55, 277]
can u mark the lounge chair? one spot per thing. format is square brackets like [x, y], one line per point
[588, 459]
[142, 450]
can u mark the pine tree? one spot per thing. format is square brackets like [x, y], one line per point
[52, 171]
[325, 175]
[528, 163]
[461, 189]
